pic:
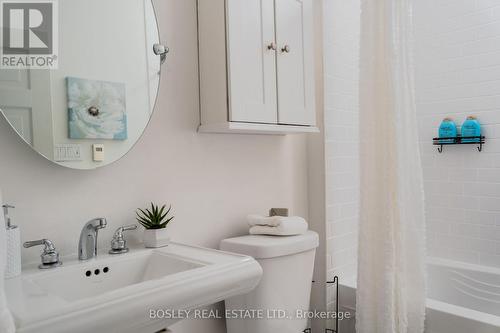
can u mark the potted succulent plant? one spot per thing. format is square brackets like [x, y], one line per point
[155, 221]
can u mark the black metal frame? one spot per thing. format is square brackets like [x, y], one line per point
[336, 282]
[459, 140]
[328, 330]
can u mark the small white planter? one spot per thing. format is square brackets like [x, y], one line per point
[156, 238]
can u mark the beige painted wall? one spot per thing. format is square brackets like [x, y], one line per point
[212, 181]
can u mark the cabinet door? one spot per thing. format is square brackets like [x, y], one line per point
[295, 63]
[251, 64]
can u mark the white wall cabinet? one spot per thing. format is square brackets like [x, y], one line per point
[256, 66]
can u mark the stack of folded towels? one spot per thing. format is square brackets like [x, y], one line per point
[276, 225]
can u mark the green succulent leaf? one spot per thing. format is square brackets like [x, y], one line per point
[154, 217]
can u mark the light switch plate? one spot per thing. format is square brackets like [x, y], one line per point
[98, 152]
[67, 152]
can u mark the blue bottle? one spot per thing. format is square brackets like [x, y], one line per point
[471, 127]
[447, 129]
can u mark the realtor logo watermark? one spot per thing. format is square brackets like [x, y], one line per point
[29, 34]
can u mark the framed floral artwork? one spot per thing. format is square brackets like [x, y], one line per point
[97, 109]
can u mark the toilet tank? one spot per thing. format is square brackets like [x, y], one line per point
[285, 289]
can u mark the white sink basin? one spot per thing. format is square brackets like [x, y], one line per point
[120, 273]
[116, 293]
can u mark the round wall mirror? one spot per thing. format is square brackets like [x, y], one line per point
[93, 106]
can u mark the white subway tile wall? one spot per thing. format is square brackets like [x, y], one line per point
[458, 74]
[341, 24]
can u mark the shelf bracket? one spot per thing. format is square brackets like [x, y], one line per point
[459, 140]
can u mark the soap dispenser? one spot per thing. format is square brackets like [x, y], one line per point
[13, 245]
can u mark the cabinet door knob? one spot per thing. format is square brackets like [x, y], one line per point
[272, 46]
[286, 49]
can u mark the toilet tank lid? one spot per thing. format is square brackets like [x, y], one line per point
[262, 246]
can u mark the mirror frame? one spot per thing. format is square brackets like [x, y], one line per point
[157, 48]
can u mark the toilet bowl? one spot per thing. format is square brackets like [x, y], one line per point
[279, 302]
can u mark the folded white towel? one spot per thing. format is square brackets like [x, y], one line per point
[6, 321]
[273, 221]
[288, 227]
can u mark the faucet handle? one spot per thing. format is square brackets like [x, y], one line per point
[49, 246]
[49, 256]
[118, 243]
[127, 228]
[119, 232]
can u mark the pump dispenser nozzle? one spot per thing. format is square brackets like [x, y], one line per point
[6, 215]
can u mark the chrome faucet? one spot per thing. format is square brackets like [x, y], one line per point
[50, 256]
[118, 243]
[87, 247]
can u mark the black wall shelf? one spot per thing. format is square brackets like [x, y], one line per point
[459, 140]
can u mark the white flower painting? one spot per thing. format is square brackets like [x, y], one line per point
[97, 109]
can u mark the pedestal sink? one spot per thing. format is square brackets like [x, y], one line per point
[116, 293]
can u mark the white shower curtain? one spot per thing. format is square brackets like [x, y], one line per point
[6, 321]
[391, 266]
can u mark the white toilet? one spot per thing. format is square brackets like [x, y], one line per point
[285, 288]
